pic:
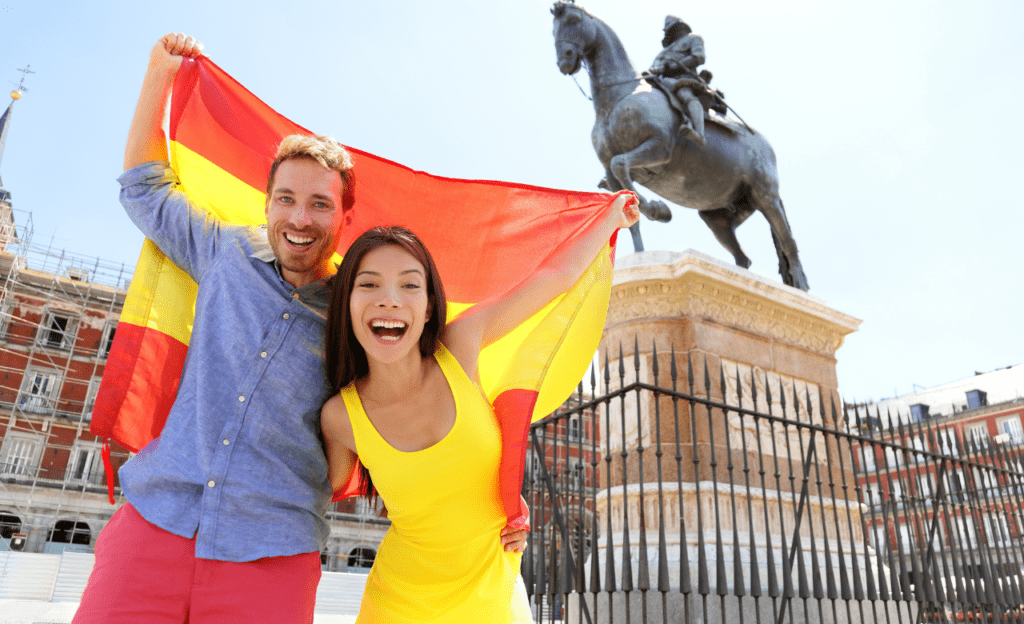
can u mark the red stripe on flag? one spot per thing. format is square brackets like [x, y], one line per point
[513, 409]
[223, 122]
[226, 123]
[141, 378]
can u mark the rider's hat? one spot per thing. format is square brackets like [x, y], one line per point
[674, 29]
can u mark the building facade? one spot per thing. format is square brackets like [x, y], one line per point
[939, 473]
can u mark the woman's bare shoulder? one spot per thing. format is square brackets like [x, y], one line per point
[334, 416]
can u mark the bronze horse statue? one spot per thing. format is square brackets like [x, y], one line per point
[636, 138]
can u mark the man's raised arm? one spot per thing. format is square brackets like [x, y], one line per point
[146, 139]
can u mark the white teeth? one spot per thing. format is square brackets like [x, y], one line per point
[299, 240]
[388, 324]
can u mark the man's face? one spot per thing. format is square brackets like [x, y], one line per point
[303, 215]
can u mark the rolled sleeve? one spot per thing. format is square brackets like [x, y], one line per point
[184, 232]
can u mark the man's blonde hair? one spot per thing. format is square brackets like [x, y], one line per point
[323, 149]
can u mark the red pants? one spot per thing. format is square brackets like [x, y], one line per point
[145, 574]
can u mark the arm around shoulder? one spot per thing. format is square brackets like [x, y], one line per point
[339, 441]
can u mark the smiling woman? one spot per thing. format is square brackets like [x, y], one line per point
[409, 404]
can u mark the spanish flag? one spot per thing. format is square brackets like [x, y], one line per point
[486, 237]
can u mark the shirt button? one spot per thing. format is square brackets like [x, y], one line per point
[226, 442]
[285, 316]
[241, 399]
[263, 354]
[212, 483]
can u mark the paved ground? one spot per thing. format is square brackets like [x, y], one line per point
[38, 612]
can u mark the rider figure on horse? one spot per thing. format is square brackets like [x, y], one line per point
[676, 69]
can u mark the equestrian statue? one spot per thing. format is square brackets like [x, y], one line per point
[668, 130]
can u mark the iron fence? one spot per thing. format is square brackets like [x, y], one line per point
[678, 491]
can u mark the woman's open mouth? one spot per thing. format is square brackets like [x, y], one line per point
[388, 330]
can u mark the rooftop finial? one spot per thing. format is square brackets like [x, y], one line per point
[16, 94]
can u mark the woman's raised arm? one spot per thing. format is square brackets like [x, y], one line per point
[488, 321]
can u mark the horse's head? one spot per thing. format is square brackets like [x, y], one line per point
[574, 31]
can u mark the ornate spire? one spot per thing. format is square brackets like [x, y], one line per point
[5, 119]
[5, 122]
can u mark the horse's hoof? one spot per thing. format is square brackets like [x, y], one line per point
[656, 210]
[797, 279]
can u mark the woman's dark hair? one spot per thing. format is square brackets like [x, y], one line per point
[346, 358]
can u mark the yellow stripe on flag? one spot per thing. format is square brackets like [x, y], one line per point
[167, 308]
[550, 351]
[217, 190]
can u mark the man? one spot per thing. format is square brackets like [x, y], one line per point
[676, 65]
[225, 516]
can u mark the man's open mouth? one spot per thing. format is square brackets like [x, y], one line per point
[299, 241]
[388, 330]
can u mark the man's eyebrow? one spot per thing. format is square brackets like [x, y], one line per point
[285, 189]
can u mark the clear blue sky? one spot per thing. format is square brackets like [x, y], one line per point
[897, 125]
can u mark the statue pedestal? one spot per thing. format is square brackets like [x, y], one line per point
[765, 347]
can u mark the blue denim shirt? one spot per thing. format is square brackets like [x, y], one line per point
[240, 464]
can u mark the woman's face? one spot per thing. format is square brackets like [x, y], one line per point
[389, 303]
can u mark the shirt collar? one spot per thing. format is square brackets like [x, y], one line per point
[261, 249]
[314, 296]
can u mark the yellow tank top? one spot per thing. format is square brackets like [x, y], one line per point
[442, 559]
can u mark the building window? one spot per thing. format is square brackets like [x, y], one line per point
[57, 331]
[38, 390]
[890, 457]
[361, 558]
[867, 458]
[574, 429]
[1010, 426]
[9, 525]
[920, 445]
[978, 434]
[945, 438]
[90, 397]
[70, 532]
[969, 536]
[533, 466]
[108, 339]
[924, 487]
[86, 464]
[895, 492]
[907, 538]
[20, 454]
[997, 531]
[872, 494]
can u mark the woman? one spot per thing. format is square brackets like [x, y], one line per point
[409, 404]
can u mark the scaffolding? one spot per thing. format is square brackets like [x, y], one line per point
[58, 315]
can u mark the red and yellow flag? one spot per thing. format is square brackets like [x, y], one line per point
[486, 237]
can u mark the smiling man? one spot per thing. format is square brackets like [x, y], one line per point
[225, 518]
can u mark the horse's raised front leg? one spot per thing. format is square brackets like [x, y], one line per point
[792, 271]
[610, 184]
[651, 153]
